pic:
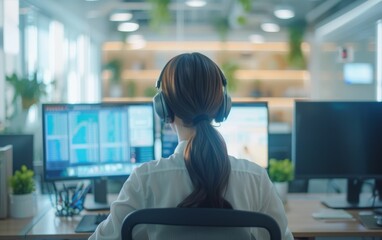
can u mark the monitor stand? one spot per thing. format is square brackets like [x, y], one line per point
[354, 199]
[99, 202]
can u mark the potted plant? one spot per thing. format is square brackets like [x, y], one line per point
[229, 69]
[159, 13]
[281, 172]
[29, 89]
[22, 198]
[115, 68]
[296, 58]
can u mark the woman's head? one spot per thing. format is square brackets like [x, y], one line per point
[193, 85]
[193, 89]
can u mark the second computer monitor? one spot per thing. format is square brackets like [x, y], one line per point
[245, 132]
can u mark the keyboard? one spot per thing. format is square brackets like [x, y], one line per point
[89, 222]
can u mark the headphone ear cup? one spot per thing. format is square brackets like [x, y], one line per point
[225, 108]
[158, 107]
[228, 106]
[161, 108]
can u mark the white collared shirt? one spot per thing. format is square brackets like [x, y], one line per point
[166, 182]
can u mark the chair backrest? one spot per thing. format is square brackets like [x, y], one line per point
[199, 217]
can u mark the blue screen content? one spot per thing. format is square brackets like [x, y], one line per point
[95, 140]
[245, 132]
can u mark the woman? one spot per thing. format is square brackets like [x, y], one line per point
[192, 93]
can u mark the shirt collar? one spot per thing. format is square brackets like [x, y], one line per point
[181, 146]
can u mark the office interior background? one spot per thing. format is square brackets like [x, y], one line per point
[86, 51]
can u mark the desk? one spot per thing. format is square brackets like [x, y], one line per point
[53, 227]
[299, 209]
[13, 228]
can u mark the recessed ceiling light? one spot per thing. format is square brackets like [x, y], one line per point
[284, 12]
[121, 17]
[256, 38]
[196, 3]
[270, 27]
[128, 27]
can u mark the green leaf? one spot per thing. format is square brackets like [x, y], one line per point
[246, 4]
[281, 170]
[159, 13]
[22, 181]
[229, 69]
[31, 88]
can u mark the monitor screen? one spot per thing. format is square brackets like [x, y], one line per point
[96, 140]
[358, 73]
[280, 145]
[337, 140]
[245, 132]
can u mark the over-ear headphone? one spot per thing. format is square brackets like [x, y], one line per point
[167, 115]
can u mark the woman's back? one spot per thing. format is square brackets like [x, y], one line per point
[165, 183]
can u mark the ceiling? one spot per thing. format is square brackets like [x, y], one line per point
[188, 23]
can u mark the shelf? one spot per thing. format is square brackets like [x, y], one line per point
[295, 75]
[203, 46]
[126, 99]
[245, 75]
[273, 102]
[141, 66]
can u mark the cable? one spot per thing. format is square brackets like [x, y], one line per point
[333, 185]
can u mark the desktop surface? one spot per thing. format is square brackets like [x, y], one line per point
[17, 228]
[299, 209]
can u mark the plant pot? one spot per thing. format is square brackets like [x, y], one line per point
[282, 190]
[26, 103]
[22, 205]
[115, 90]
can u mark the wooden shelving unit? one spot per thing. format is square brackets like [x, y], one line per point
[262, 72]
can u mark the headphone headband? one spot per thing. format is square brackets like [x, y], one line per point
[165, 113]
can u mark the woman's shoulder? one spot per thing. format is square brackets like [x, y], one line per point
[173, 162]
[244, 165]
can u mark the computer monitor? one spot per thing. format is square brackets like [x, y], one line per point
[280, 145]
[95, 141]
[22, 147]
[339, 140]
[245, 132]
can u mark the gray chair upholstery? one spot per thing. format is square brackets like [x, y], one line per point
[199, 217]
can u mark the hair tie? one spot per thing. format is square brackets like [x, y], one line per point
[199, 118]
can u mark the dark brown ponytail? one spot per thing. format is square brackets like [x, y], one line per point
[193, 89]
[207, 162]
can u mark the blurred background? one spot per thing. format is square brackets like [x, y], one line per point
[112, 50]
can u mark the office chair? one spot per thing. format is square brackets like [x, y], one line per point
[199, 217]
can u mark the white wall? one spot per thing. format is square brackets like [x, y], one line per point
[2, 77]
[355, 29]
